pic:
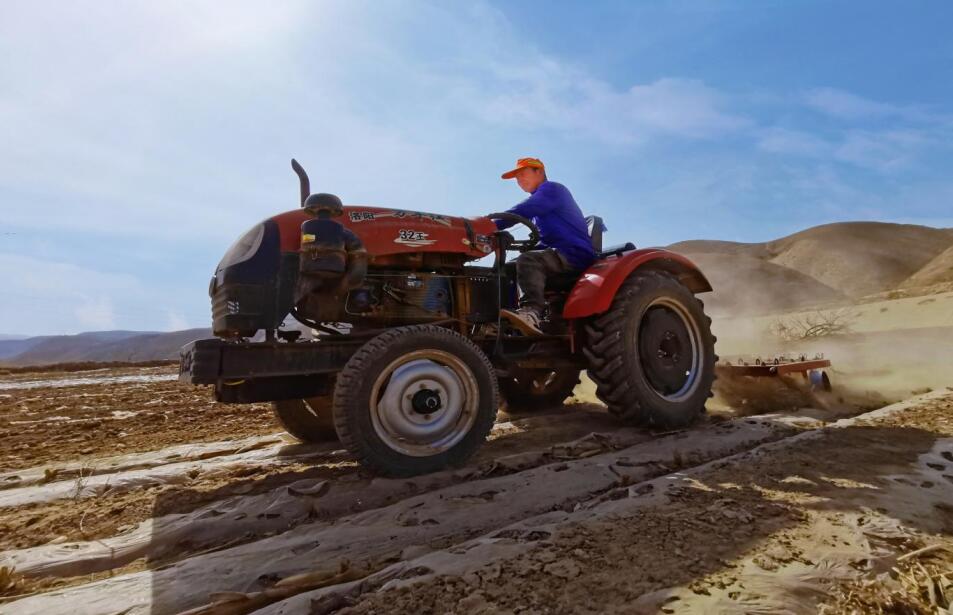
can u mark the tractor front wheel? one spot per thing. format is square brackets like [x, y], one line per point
[414, 400]
[527, 390]
[308, 420]
[652, 354]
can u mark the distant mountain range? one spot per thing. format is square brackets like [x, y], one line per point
[826, 264]
[97, 346]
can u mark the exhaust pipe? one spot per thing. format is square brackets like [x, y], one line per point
[303, 180]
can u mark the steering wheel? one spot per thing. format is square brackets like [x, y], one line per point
[519, 245]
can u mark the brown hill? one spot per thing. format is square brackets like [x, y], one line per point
[822, 264]
[717, 246]
[860, 258]
[937, 271]
[746, 285]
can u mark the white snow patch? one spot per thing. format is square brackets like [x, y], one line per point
[72, 382]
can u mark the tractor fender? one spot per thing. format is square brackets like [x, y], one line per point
[595, 290]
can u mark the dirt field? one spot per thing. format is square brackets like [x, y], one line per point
[51, 417]
[150, 498]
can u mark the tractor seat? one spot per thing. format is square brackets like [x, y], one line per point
[563, 282]
[596, 229]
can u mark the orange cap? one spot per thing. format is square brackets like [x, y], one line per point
[524, 163]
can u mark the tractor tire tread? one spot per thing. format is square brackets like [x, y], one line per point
[350, 378]
[605, 353]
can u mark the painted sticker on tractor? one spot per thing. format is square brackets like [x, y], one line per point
[360, 216]
[400, 214]
[410, 237]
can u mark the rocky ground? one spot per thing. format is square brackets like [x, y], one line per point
[123, 492]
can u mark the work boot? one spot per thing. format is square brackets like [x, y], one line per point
[526, 319]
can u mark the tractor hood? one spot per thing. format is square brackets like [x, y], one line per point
[254, 283]
[396, 231]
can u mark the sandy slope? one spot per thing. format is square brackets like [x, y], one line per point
[860, 258]
[938, 270]
[823, 264]
[896, 346]
[746, 284]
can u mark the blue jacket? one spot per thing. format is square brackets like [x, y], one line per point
[560, 221]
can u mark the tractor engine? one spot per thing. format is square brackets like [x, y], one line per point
[409, 298]
[368, 266]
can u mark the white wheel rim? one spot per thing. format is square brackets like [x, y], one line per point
[693, 375]
[424, 403]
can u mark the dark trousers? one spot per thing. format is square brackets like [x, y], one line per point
[532, 268]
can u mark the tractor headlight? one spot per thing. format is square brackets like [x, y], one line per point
[244, 248]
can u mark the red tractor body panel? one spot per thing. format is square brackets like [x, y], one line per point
[595, 290]
[395, 231]
[387, 232]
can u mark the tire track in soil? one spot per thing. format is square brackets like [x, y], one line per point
[766, 530]
[424, 521]
[177, 481]
[208, 492]
[175, 517]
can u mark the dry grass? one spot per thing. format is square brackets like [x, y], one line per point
[813, 325]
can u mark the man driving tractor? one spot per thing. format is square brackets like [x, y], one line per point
[564, 240]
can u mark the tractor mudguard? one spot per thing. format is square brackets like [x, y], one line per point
[595, 290]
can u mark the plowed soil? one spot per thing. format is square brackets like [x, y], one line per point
[123, 491]
[50, 417]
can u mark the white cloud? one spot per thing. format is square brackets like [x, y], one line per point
[95, 313]
[184, 134]
[844, 105]
[885, 150]
[170, 125]
[561, 99]
[787, 141]
[60, 297]
[176, 321]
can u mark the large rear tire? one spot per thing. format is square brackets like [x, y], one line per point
[308, 420]
[528, 390]
[652, 354]
[414, 400]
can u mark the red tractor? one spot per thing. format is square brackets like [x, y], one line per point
[410, 359]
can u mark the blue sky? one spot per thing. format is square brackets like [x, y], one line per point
[140, 138]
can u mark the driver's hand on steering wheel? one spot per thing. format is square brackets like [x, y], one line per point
[505, 237]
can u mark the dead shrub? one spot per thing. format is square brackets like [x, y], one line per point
[812, 325]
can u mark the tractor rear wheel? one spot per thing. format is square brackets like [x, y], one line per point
[652, 354]
[527, 390]
[308, 420]
[414, 400]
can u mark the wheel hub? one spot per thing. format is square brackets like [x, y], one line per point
[424, 403]
[667, 350]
